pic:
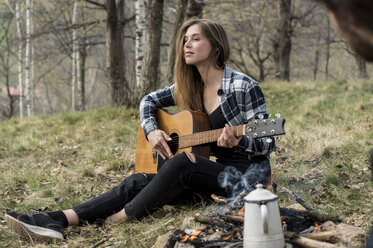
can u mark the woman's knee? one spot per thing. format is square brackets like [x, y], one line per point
[178, 163]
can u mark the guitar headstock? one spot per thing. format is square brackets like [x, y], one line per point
[265, 127]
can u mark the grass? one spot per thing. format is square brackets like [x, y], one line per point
[63, 160]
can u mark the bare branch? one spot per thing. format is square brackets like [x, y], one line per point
[103, 6]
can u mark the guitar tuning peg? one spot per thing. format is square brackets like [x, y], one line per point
[260, 116]
[278, 138]
[277, 115]
[269, 140]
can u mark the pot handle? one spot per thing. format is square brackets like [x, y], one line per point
[264, 212]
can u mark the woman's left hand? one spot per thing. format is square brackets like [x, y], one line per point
[227, 139]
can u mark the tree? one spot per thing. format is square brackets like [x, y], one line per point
[179, 19]
[282, 46]
[20, 57]
[115, 52]
[362, 66]
[140, 11]
[195, 8]
[150, 68]
[75, 55]
[6, 51]
[28, 81]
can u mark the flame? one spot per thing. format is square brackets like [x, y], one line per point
[228, 237]
[193, 234]
[317, 227]
[184, 238]
[269, 182]
[241, 211]
[193, 237]
[233, 235]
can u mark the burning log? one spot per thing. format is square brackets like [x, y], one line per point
[322, 217]
[218, 199]
[233, 218]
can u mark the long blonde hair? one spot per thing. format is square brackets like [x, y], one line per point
[189, 84]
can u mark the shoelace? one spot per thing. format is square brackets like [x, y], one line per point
[39, 210]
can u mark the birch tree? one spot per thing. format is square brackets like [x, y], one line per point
[20, 57]
[28, 82]
[140, 36]
[32, 43]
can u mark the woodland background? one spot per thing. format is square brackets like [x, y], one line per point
[77, 55]
[84, 66]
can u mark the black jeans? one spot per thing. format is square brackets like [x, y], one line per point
[142, 194]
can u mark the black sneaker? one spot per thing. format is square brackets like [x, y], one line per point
[35, 226]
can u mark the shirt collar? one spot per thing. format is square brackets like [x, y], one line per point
[227, 78]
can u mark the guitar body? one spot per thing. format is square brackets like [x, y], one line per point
[174, 125]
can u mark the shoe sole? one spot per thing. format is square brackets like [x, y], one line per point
[32, 232]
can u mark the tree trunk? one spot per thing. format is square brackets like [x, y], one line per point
[317, 56]
[149, 71]
[179, 19]
[140, 37]
[284, 40]
[195, 8]
[81, 78]
[20, 58]
[27, 60]
[32, 42]
[362, 65]
[82, 59]
[115, 51]
[75, 55]
[327, 58]
[8, 113]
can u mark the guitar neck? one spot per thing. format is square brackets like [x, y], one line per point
[200, 138]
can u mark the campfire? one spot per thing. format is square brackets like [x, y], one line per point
[222, 225]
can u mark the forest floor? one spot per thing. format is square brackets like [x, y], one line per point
[63, 160]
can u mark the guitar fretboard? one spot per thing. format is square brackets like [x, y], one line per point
[207, 136]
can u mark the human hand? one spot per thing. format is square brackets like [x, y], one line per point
[227, 139]
[158, 140]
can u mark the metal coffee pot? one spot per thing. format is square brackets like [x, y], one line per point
[262, 227]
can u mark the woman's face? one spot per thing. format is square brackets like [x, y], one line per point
[197, 47]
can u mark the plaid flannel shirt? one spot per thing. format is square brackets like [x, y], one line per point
[241, 99]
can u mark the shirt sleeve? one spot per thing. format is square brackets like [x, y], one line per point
[149, 105]
[255, 108]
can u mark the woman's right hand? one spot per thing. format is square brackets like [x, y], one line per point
[158, 140]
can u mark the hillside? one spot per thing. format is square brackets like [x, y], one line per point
[60, 161]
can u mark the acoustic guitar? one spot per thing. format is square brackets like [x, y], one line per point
[190, 132]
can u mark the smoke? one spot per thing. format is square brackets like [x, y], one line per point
[236, 183]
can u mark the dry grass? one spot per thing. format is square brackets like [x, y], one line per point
[60, 161]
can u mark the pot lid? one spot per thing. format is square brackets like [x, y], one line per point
[260, 194]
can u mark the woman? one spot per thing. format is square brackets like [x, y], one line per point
[202, 83]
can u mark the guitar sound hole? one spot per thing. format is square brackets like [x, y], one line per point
[174, 143]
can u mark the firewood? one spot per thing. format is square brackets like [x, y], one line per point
[203, 218]
[233, 218]
[218, 199]
[310, 243]
[307, 242]
[324, 236]
[317, 214]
